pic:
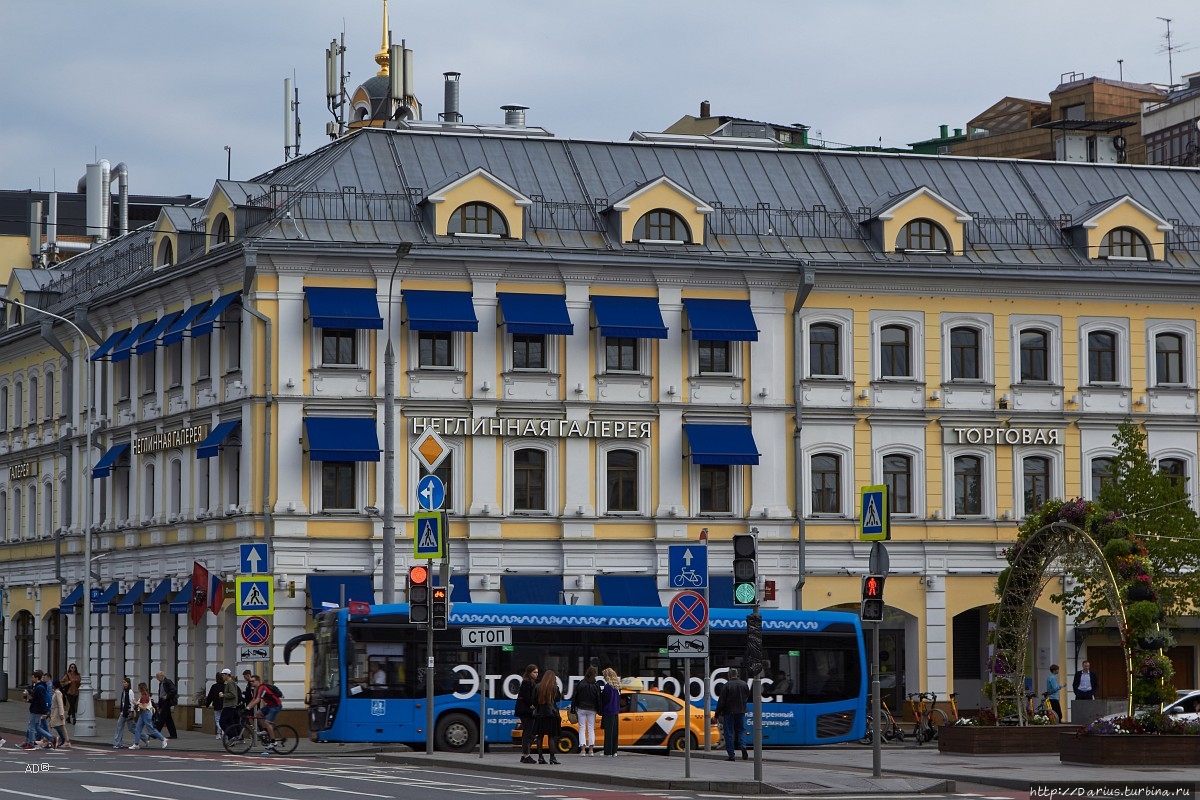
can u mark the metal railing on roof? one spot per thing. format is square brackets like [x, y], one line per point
[1019, 231]
[816, 222]
[87, 272]
[348, 205]
[556, 215]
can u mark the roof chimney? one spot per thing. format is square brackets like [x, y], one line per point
[945, 131]
[451, 113]
[705, 109]
[514, 116]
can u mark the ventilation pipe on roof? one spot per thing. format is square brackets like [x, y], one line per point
[945, 131]
[96, 181]
[35, 231]
[705, 109]
[122, 198]
[52, 224]
[451, 114]
[514, 116]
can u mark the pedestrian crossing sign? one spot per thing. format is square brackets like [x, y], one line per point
[429, 534]
[255, 594]
[874, 521]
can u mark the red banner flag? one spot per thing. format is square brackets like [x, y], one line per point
[217, 594]
[200, 580]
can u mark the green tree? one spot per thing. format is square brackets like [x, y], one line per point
[1154, 509]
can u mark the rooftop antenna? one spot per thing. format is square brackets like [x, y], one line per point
[1121, 69]
[291, 119]
[1170, 49]
[335, 87]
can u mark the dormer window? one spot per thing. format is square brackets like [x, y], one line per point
[922, 236]
[1124, 243]
[662, 225]
[478, 219]
[221, 234]
[166, 253]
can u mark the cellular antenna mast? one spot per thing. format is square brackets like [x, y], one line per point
[335, 87]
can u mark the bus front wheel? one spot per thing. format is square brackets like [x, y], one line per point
[457, 733]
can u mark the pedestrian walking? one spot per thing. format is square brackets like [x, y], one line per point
[126, 718]
[70, 683]
[731, 711]
[144, 708]
[526, 699]
[585, 702]
[168, 696]
[546, 715]
[58, 715]
[223, 697]
[37, 733]
[610, 709]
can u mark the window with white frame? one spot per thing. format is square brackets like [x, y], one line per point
[31, 520]
[148, 373]
[529, 470]
[825, 349]
[18, 404]
[203, 472]
[1037, 343]
[3, 408]
[202, 356]
[3, 516]
[530, 352]
[231, 340]
[1037, 482]
[339, 347]
[922, 236]
[175, 487]
[1106, 361]
[897, 346]
[339, 485]
[173, 359]
[624, 354]
[1124, 243]
[149, 487]
[18, 531]
[121, 380]
[435, 349]
[450, 467]
[34, 397]
[48, 402]
[624, 479]
[47, 509]
[715, 357]
[64, 504]
[1176, 471]
[1102, 356]
[1101, 474]
[898, 478]
[971, 484]
[1172, 347]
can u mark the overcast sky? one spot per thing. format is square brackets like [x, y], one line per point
[165, 85]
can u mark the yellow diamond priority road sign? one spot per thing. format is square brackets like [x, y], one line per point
[429, 449]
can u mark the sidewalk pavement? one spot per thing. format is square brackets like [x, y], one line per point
[831, 769]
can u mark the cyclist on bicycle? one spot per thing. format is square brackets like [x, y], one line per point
[266, 705]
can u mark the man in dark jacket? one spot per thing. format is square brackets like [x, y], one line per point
[168, 696]
[1085, 683]
[731, 710]
[39, 709]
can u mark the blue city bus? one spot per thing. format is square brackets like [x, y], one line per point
[368, 671]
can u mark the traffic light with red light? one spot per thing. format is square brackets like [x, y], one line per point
[872, 598]
[418, 595]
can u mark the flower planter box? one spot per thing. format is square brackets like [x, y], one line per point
[1129, 748]
[991, 739]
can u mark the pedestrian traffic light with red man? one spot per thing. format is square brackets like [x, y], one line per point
[872, 598]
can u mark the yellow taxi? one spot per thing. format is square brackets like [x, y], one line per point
[649, 719]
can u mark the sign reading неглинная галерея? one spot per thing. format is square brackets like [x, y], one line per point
[998, 435]
[193, 434]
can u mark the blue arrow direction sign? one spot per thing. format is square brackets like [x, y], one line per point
[688, 566]
[254, 559]
[431, 493]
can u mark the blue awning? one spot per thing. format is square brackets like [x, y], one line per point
[720, 592]
[628, 590]
[440, 311]
[153, 602]
[204, 323]
[104, 466]
[132, 598]
[721, 320]
[70, 604]
[342, 438]
[125, 348]
[150, 340]
[636, 317]
[721, 445]
[535, 313]
[212, 443]
[336, 591]
[108, 344]
[343, 308]
[102, 600]
[174, 333]
[526, 589]
[182, 600]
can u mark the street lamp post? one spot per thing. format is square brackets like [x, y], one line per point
[389, 443]
[85, 717]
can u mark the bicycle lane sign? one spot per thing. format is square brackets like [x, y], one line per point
[687, 565]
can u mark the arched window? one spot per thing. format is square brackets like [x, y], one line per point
[897, 476]
[175, 487]
[1124, 243]
[621, 477]
[826, 483]
[922, 236]
[33, 400]
[31, 522]
[148, 489]
[1101, 475]
[1102, 357]
[49, 390]
[478, 219]
[529, 480]
[48, 510]
[3, 408]
[1036, 476]
[968, 486]
[3, 516]
[661, 225]
[824, 349]
[1168, 360]
[221, 232]
[894, 352]
[19, 405]
[1035, 353]
[166, 253]
[1176, 471]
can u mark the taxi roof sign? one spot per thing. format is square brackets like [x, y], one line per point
[874, 518]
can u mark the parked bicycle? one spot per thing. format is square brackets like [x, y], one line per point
[244, 734]
[890, 730]
[926, 715]
[1042, 709]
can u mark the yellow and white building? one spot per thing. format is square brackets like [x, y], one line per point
[622, 345]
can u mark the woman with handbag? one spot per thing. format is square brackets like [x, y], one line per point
[546, 714]
[526, 700]
[585, 704]
[144, 708]
[70, 688]
[610, 708]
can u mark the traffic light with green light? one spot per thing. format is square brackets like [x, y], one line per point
[745, 569]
